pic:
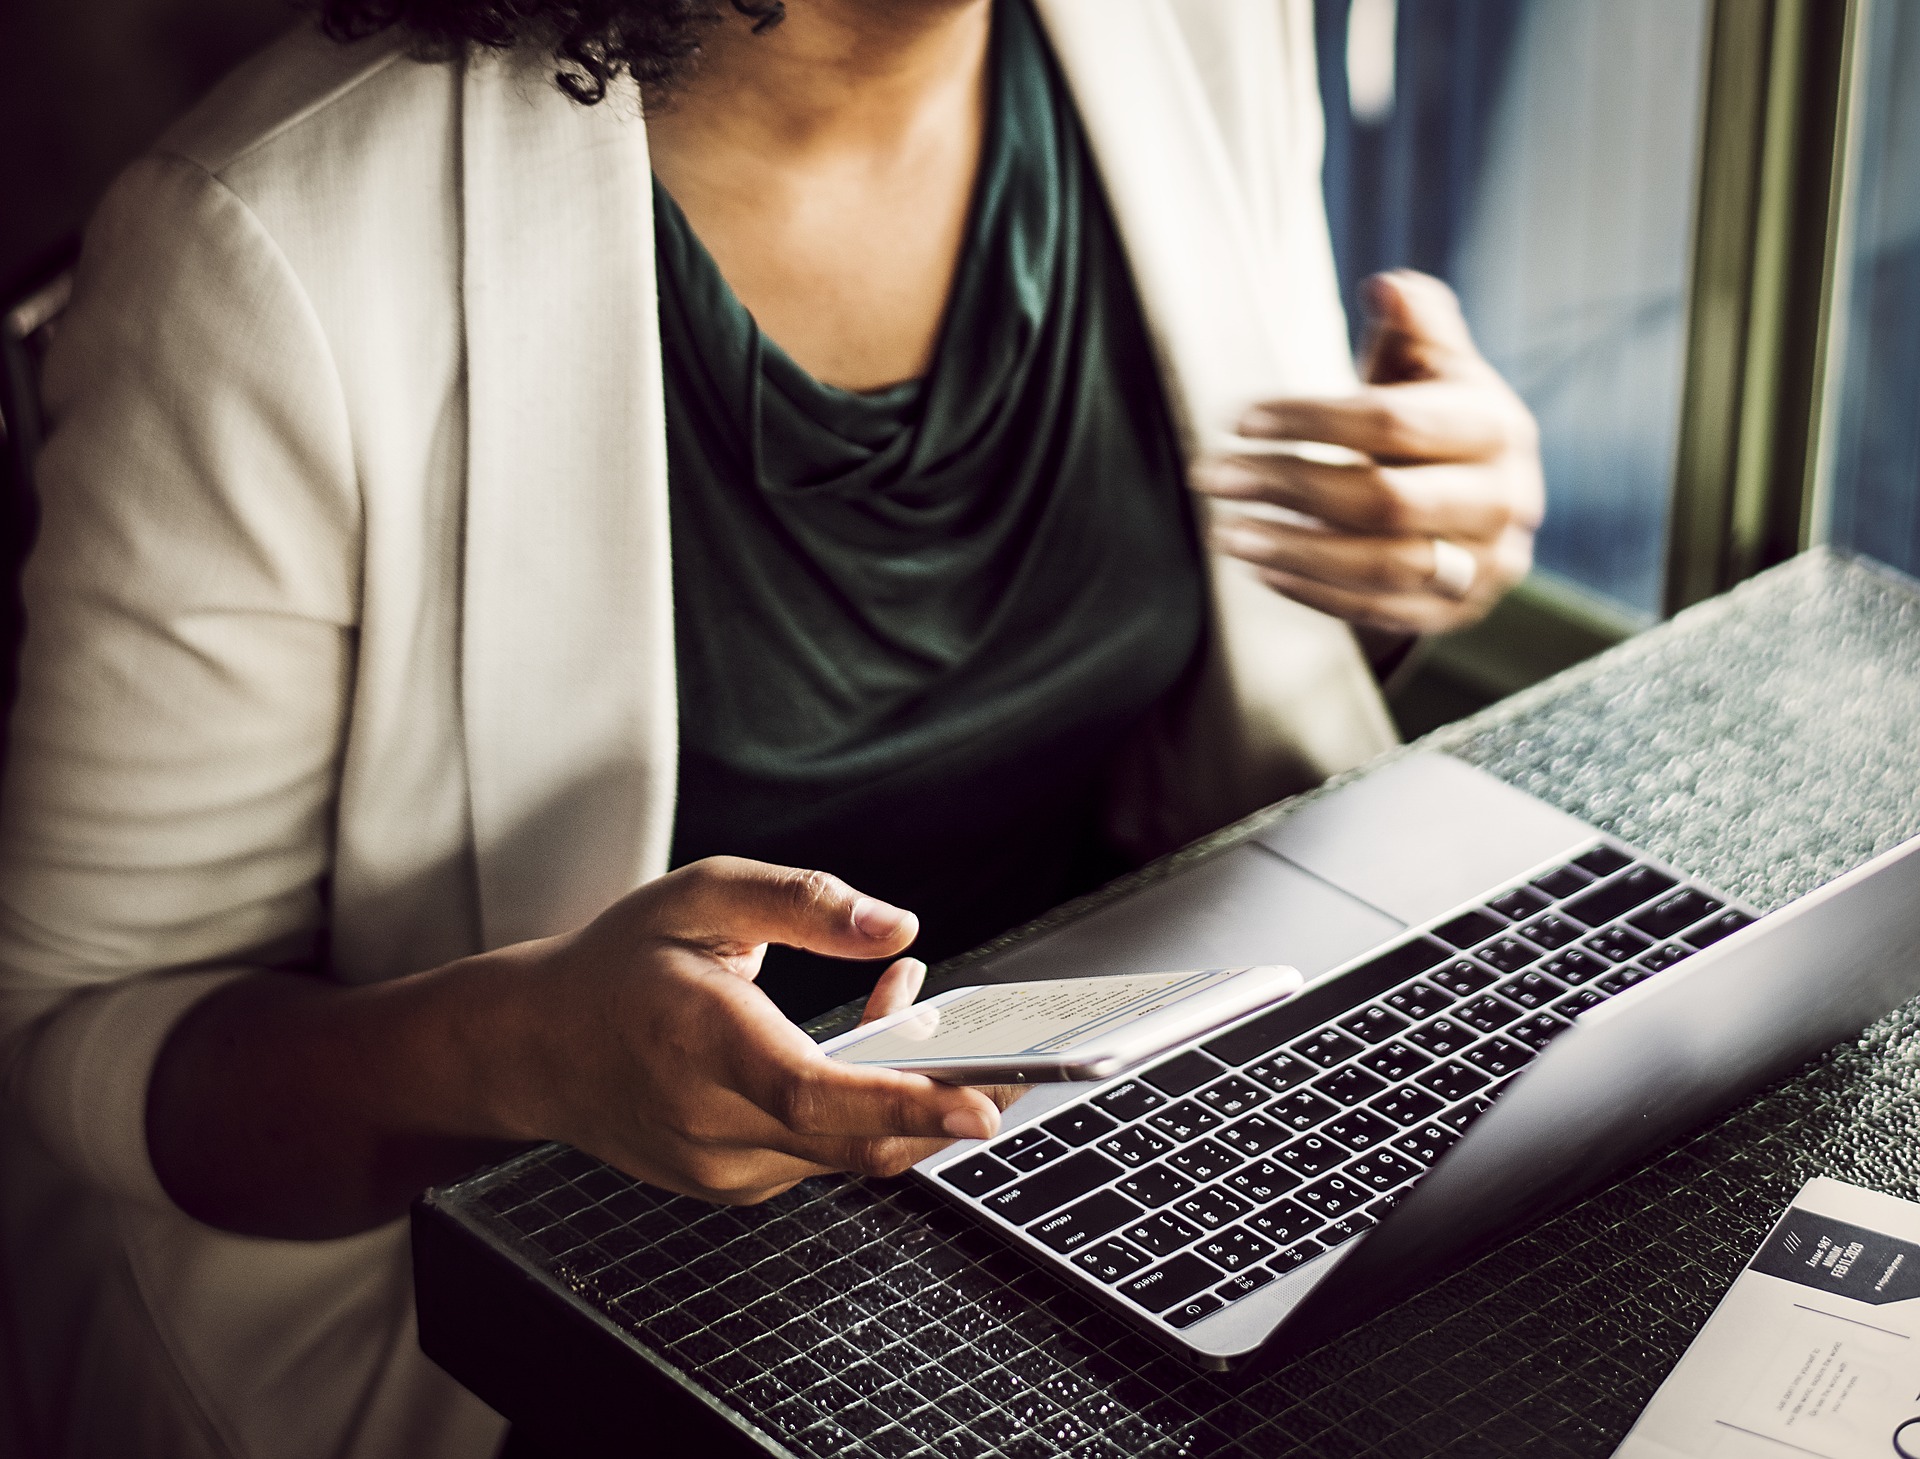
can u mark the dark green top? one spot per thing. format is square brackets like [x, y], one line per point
[914, 624]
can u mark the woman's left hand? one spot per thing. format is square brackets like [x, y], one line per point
[1436, 521]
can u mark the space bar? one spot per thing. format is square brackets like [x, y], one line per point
[1327, 1000]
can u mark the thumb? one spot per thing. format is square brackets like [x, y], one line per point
[731, 905]
[1415, 330]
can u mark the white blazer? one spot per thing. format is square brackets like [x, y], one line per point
[351, 637]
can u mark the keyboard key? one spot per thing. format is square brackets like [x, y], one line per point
[1298, 1255]
[1442, 1036]
[1111, 1261]
[1488, 1013]
[1183, 1073]
[1137, 1146]
[1255, 1135]
[1233, 1096]
[1033, 1153]
[1382, 1170]
[1618, 981]
[1408, 1105]
[1573, 967]
[1497, 1058]
[1508, 954]
[1047, 1190]
[1418, 1000]
[1562, 882]
[1347, 1228]
[1155, 1186]
[978, 1175]
[1531, 990]
[1280, 1072]
[1212, 1209]
[1662, 958]
[1235, 1249]
[1262, 1182]
[1203, 1160]
[1467, 1114]
[1519, 904]
[1328, 1047]
[1129, 1101]
[1080, 1125]
[1615, 898]
[1540, 1030]
[1162, 1235]
[1470, 927]
[1015, 1145]
[1372, 1024]
[1350, 1085]
[1184, 1121]
[1395, 1062]
[1284, 1222]
[1171, 1283]
[1552, 932]
[1333, 1196]
[1378, 1210]
[1463, 977]
[1426, 1144]
[1361, 1130]
[1617, 944]
[1603, 861]
[1243, 1284]
[1725, 925]
[1675, 913]
[1311, 1154]
[1078, 1225]
[1453, 1080]
[1578, 1002]
[1193, 1309]
[1302, 1110]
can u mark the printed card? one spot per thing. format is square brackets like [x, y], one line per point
[1815, 1350]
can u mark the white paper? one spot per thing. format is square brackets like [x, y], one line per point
[1815, 1349]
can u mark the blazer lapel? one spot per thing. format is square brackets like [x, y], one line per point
[567, 673]
[1221, 286]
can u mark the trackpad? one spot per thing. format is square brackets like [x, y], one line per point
[1243, 907]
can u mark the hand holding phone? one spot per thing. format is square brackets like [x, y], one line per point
[1062, 1028]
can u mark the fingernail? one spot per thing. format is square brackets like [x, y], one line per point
[916, 978]
[1263, 421]
[967, 1124]
[1223, 477]
[1238, 541]
[878, 920]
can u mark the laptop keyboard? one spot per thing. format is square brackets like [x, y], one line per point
[1202, 1178]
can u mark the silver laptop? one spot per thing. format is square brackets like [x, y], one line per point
[1504, 1006]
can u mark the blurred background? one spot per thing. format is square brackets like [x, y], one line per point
[1688, 231]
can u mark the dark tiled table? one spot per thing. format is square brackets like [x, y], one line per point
[1766, 741]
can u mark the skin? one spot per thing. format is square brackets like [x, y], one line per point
[291, 1106]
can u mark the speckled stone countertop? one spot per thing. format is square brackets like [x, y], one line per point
[1766, 741]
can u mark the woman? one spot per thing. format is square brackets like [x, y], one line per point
[466, 502]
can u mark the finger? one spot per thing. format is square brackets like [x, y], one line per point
[812, 1094]
[1432, 501]
[726, 902]
[1415, 330]
[1361, 564]
[896, 989]
[1426, 421]
[1418, 613]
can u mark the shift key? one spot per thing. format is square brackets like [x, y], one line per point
[1052, 1187]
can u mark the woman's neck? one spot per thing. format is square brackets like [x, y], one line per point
[827, 164]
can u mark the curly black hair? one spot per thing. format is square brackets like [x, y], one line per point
[593, 41]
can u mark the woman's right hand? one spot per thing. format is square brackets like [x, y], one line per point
[643, 1039]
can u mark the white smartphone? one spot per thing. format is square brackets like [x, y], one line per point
[1061, 1029]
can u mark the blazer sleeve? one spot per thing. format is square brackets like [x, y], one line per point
[165, 823]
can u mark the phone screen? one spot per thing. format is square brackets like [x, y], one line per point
[1006, 1020]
